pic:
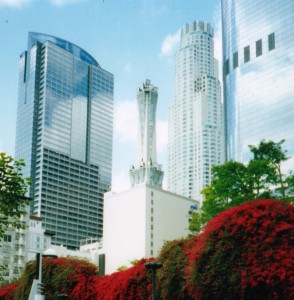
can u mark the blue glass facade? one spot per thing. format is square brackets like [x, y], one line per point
[258, 65]
[64, 133]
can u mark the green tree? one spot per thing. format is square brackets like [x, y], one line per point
[274, 155]
[13, 188]
[234, 183]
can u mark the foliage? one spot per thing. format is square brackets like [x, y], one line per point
[273, 154]
[13, 188]
[171, 277]
[233, 183]
[7, 291]
[133, 283]
[71, 276]
[245, 253]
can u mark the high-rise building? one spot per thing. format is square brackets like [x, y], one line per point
[147, 169]
[196, 133]
[258, 66]
[64, 133]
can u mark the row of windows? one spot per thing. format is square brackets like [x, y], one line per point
[258, 52]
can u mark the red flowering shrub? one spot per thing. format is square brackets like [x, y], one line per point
[171, 280]
[245, 253]
[71, 276]
[133, 283]
[7, 291]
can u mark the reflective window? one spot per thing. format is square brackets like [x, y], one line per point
[235, 60]
[258, 45]
[246, 54]
[271, 41]
[227, 67]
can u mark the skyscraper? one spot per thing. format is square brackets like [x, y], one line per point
[258, 58]
[147, 169]
[196, 138]
[64, 133]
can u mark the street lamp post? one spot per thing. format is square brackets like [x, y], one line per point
[153, 266]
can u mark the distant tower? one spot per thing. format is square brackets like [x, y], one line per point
[147, 169]
[196, 138]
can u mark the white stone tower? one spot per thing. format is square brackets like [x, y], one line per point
[147, 169]
[196, 138]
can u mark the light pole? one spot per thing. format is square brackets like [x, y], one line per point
[36, 292]
[153, 266]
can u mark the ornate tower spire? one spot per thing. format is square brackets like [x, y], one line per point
[147, 169]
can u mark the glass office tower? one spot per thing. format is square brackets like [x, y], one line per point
[64, 133]
[258, 57]
[196, 133]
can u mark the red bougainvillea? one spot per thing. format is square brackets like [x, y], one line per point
[73, 277]
[7, 291]
[133, 283]
[245, 253]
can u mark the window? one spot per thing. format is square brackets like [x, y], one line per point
[271, 41]
[7, 238]
[258, 47]
[235, 60]
[246, 54]
[227, 67]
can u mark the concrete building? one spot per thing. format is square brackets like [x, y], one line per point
[64, 133]
[14, 250]
[258, 72]
[39, 239]
[137, 222]
[21, 245]
[196, 131]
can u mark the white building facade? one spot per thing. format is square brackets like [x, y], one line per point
[14, 250]
[196, 124]
[19, 246]
[137, 222]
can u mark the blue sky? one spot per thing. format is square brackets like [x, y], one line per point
[133, 39]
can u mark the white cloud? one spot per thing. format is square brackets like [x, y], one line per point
[14, 3]
[125, 121]
[64, 2]
[170, 43]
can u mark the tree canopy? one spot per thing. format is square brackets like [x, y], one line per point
[13, 188]
[234, 183]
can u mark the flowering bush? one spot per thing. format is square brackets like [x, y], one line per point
[171, 280]
[133, 283]
[7, 291]
[71, 276]
[245, 253]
